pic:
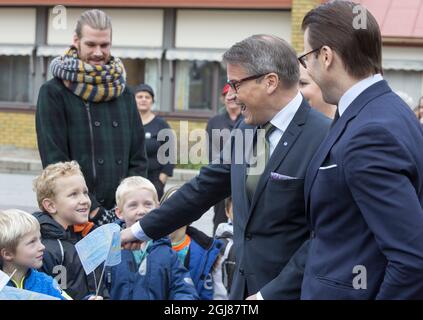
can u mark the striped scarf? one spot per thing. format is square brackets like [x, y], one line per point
[93, 83]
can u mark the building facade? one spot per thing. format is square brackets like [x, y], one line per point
[175, 46]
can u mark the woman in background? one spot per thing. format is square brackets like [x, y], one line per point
[159, 170]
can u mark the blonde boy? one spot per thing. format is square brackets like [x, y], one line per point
[62, 193]
[21, 252]
[135, 197]
[62, 196]
[167, 278]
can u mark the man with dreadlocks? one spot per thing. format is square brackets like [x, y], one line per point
[86, 113]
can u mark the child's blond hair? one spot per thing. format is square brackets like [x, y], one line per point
[14, 225]
[133, 183]
[45, 184]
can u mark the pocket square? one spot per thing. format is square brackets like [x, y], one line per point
[278, 176]
[328, 167]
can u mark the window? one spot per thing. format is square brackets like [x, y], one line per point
[134, 71]
[14, 78]
[407, 84]
[144, 71]
[198, 85]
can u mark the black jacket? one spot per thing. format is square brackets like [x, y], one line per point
[152, 146]
[61, 259]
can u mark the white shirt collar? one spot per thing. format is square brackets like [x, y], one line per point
[284, 117]
[353, 92]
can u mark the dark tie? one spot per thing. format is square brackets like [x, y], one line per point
[335, 118]
[252, 179]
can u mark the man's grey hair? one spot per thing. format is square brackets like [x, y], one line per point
[94, 18]
[261, 53]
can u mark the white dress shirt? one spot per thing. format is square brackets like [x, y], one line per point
[282, 120]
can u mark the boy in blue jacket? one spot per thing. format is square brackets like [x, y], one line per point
[21, 253]
[152, 272]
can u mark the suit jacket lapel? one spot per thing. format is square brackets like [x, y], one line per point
[284, 145]
[336, 131]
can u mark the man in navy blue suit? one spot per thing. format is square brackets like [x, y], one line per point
[269, 218]
[364, 186]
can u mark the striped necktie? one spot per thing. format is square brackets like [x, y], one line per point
[253, 179]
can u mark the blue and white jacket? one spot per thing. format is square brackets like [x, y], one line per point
[39, 282]
[202, 255]
[160, 276]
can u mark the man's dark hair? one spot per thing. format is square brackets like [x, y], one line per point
[333, 24]
[263, 53]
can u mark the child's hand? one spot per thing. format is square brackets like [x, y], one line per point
[132, 245]
[95, 298]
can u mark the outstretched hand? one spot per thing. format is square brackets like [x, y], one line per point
[136, 245]
[128, 240]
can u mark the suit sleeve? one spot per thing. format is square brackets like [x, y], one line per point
[189, 203]
[287, 285]
[382, 177]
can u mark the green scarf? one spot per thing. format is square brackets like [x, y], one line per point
[90, 82]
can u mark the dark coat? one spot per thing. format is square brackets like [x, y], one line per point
[106, 138]
[60, 251]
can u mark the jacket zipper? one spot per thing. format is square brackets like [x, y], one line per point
[87, 105]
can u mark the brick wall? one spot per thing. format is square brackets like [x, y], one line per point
[18, 129]
[196, 132]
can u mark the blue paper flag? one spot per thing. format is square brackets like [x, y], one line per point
[4, 279]
[114, 256]
[98, 246]
[12, 293]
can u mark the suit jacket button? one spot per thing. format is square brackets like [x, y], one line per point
[241, 271]
[100, 161]
[313, 234]
[115, 124]
[97, 123]
[119, 161]
[248, 236]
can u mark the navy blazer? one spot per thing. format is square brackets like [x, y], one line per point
[270, 229]
[364, 200]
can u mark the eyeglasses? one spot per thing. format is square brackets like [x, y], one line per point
[235, 84]
[303, 59]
